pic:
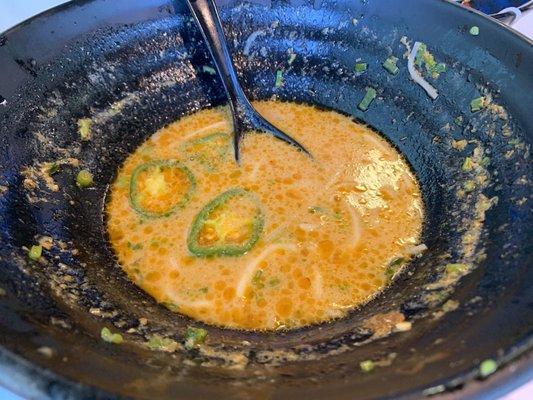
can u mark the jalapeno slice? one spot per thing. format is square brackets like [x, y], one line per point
[229, 225]
[159, 188]
[207, 151]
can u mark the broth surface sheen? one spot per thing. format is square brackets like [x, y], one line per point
[279, 242]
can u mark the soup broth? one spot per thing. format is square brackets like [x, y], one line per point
[281, 240]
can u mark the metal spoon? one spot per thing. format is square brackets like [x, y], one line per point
[245, 117]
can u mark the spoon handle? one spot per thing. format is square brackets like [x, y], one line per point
[208, 20]
[245, 117]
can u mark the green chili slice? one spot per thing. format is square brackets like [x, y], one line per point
[207, 151]
[159, 188]
[229, 225]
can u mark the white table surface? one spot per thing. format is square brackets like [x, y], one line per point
[14, 11]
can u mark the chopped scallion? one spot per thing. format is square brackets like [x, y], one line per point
[274, 281]
[84, 128]
[474, 31]
[390, 65]
[369, 98]
[160, 343]
[291, 59]
[135, 246]
[108, 336]
[171, 306]
[257, 279]
[477, 104]
[468, 164]
[456, 269]
[367, 366]
[35, 252]
[361, 67]
[279, 78]
[209, 70]
[469, 185]
[52, 168]
[194, 337]
[84, 178]
[424, 57]
[440, 68]
[487, 367]
[422, 50]
[393, 267]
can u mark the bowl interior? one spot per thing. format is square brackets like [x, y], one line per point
[141, 69]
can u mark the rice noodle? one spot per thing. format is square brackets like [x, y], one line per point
[417, 250]
[354, 217]
[204, 129]
[276, 233]
[250, 269]
[250, 41]
[334, 179]
[307, 227]
[356, 224]
[318, 284]
[416, 76]
[255, 171]
[178, 300]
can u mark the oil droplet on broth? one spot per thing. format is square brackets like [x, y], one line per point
[331, 224]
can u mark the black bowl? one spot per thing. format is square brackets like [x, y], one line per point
[145, 59]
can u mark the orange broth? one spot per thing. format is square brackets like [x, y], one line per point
[331, 225]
